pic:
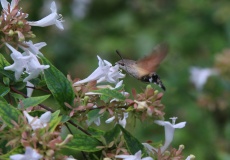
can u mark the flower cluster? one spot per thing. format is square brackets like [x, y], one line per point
[32, 130]
[16, 30]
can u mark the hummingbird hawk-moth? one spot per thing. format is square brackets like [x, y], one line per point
[145, 69]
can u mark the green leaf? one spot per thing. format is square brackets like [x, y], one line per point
[17, 96]
[4, 90]
[19, 85]
[84, 143]
[2, 99]
[112, 134]
[132, 143]
[17, 150]
[96, 132]
[6, 81]
[9, 113]
[55, 120]
[65, 118]
[92, 116]
[32, 101]
[4, 63]
[108, 94]
[58, 84]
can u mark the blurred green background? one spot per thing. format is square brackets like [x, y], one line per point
[196, 31]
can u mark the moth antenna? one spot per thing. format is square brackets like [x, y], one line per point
[119, 54]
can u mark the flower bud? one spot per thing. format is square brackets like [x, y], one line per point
[149, 86]
[67, 139]
[86, 99]
[50, 153]
[33, 35]
[11, 33]
[20, 23]
[167, 153]
[181, 147]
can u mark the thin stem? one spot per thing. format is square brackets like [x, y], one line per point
[41, 89]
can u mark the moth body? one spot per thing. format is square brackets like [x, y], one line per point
[144, 69]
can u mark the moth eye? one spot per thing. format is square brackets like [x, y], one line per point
[121, 63]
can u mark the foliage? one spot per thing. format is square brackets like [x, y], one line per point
[198, 35]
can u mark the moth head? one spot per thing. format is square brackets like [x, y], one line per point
[121, 63]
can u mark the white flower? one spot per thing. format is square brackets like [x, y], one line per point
[190, 157]
[169, 133]
[29, 90]
[199, 76]
[122, 122]
[33, 48]
[110, 119]
[33, 67]
[97, 121]
[24, 61]
[51, 19]
[104, 73]
[5, 4]
[137, 156]
[19, 62]
[38, 122]
[30, 154]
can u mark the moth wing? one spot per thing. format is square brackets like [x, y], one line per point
[150, 63]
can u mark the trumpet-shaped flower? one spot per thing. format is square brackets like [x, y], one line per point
[33, 67]
[38, 122]
[51, 19]
[30, 154]
[12, 5]
[190, 157]
[199, 76]
[19, 62]
[104, 73]
[33, 48]
[137, 156]
[121, 121]
[28, 89]
[28, 62]
[169, 133]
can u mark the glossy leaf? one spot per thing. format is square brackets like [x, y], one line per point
[9, 113]
[58, 84]
[108, 94]
[32, 101]
[84, 143]
[4, 63]
[4, 90]
[112, 134]
[54, 121]
[92, 116]
[132, 143]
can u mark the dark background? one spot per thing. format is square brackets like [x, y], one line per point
[196, 31]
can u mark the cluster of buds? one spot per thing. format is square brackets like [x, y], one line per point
[148, 103]
[37, 136]
[13, 24]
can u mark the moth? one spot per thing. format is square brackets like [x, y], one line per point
[145, 69]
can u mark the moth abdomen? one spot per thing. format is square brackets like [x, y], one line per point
[153, 78]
